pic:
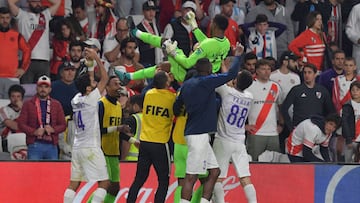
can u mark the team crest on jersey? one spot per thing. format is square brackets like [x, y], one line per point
[318, 95]
[198, 51]
[292, 81]
[313, 39]
[12, 39]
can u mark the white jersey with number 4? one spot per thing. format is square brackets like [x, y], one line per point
[86, 119]
[233, 113]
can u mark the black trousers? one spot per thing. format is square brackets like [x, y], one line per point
[156, 154]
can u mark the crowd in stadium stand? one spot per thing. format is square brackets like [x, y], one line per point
[303, 56]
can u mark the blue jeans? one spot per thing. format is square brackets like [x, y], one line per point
[42, 150]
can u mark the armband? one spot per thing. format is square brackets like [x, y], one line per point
[111, 129]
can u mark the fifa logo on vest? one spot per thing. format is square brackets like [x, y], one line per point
[157, 111]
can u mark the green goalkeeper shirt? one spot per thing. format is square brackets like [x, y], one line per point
[215, 49]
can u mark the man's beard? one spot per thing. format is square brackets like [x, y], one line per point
[75, 59]
[4, 29]
[36, 9]
[130, 56]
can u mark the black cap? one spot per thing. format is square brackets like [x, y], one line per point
[148, 5]
[65, 66]
[222, 2]
[286, 55]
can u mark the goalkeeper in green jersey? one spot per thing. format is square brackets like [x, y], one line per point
[215, 49]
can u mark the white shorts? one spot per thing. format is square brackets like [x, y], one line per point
[200, 154]
[88, 164]
[225, 151]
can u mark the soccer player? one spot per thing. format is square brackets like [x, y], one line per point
[157, 119]
[88, 161]
[215, 49]
[229, 143]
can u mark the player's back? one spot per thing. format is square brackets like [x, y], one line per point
[87, 129]
[233, 113]
[216, 50]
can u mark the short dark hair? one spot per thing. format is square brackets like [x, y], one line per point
[262, 62]
[311, 66]
[221, 22]
[4, 10]
[75, 44]
[110, 78]
[82, 82]
[334, 117]
[78, 4]
[137, 99]
[125, 41]
[337, 52]
[243, 80]
[160, 80]
[349, 58]
[203, 65]
[261, 18]
[16, 88]
[250, 56]
[121, 19]
[356, 83]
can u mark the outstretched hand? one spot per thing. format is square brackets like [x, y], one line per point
[238, 50]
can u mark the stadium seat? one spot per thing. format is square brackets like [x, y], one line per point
[17, 146]
[30, 90]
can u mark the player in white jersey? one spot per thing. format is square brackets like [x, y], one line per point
[310, 133]
[229, 141]
[88, 161]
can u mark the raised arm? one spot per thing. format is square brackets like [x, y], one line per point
[14, 9]
[92, 55]
[55, 6]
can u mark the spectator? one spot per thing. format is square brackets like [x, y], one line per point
[353, 30]
[238, 13]
[198, 96]
[129, 7]
[250, 60]
[122, 32]
[10, 113]
[64, 89]
[263, 127]
[76, 49]
[327, 77]
[350, 124]
[60, 45]
[155, 133]
[341, 89]
[11, 42]
[303, 8]
[262, 39]
[87, 141]
[149, 55]
[310, 44]
[286, 79]
[42, 119]
[169, 10]
[34, 25]
[110, 115]
[312, 132]
[105, 28]
[128, 64]
[308, 99]
[333, 21]
[275, 13]
[179, 30]
[81, 16]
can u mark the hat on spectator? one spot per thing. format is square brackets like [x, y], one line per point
[286, 55]
[222, 2]
[105, 3]
[189, 4]
[149, 5]
[93, 42]
[66, 65]
[44, 80]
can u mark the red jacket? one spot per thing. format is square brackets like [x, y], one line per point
[28, 121]
[60, 48]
